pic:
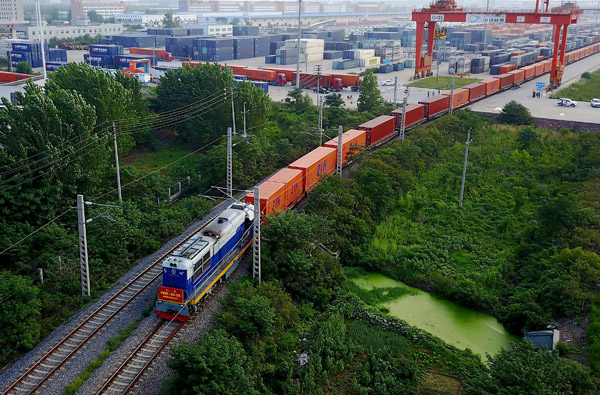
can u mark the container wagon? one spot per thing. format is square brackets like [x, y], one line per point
[293, 179]
[315, 165]
[436, 106]
[272, 197]
[415, 114]
[492, 85]
[378, 129]
[506, 81]
[476, 90]
[353, 141]
[459, 98]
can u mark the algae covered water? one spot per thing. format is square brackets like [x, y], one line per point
[456, 325]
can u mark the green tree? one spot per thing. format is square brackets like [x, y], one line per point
[521, 369]
[370, 98]
[4, 62]
[169, 22]
[24, 68]
[19, 313]
[208, 88]
[95, 17]
[234, 21]
[528, 137]
[334, 100]
[293, 255]
[113, 99]
[515, 113]
[218, 364]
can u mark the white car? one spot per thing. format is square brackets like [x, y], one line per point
[595, 103]
[566, 102]
[387, 83]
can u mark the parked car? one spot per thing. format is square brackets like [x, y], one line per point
[566, 102]
[595, 103]
[387, 83]
[322, 89]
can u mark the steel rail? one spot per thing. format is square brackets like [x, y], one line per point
[138, 371]
[46, 367]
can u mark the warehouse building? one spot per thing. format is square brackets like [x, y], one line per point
[107, 9]
[69, 31]
[153, 20]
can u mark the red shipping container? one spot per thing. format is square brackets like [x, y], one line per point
[460, 97]
[506, 68]
[348, 79]
[260, 75]
[492, 85]
[547, 66]
[272, 197]
[518, 75]
[415, 113]
[315, 165]
[353, 141]
[378, 128]
[539, 68]
[289, 74]
[506, 81]
[6, 76]
[293, 181]
[238, 70]
[436, 105]
[476, 90]
[529, 71]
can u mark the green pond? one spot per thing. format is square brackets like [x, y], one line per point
[456, 325]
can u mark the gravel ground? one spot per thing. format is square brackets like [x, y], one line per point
[91, 350]
[193, 330]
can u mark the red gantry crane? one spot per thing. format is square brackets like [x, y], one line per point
[447, 11]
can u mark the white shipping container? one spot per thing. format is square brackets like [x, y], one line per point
[312, 50]
[315, 57]
[305, 43]
[366, 53]
[373, 61]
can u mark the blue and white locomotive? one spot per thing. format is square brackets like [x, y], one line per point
[193, 269]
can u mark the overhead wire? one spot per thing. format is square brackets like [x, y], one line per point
[205, 109]
[150, 120]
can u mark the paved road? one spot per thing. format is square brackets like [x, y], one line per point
[545, 107]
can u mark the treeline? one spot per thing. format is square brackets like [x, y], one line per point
[57, 142]
[397, 213]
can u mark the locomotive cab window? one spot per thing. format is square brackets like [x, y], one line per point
[201, 266]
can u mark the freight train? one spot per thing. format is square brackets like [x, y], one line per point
[213, 253]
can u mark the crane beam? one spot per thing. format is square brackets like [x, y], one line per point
[447, 11]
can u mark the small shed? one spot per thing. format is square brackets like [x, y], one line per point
[541, 339]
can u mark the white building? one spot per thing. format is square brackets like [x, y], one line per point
[70, 31]
[106, 9]
[11, 11]
[153, 20]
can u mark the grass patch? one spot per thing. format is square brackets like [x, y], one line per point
[111, 346]
[151, 161]
[375, 296]
[444, 82]
[585, 89]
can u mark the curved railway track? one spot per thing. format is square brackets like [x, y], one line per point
[32, 380]
[130, 371]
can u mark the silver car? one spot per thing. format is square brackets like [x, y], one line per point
[566, 102]
[595, 103]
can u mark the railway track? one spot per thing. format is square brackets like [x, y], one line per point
[130, 371]
[34, 378]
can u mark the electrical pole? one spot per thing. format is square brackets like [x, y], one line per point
[256, 265]
[403, 123]
[339, 150]
[83, 252]
[487, 8]
[451, 97]
[41, 35]
[229, 164]
[318, 82]
[320, 121]
[462, 184]
[244, 135]
[232, 111]
[437, 76]
[117, 163]
[395, 91]
[299, 37]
